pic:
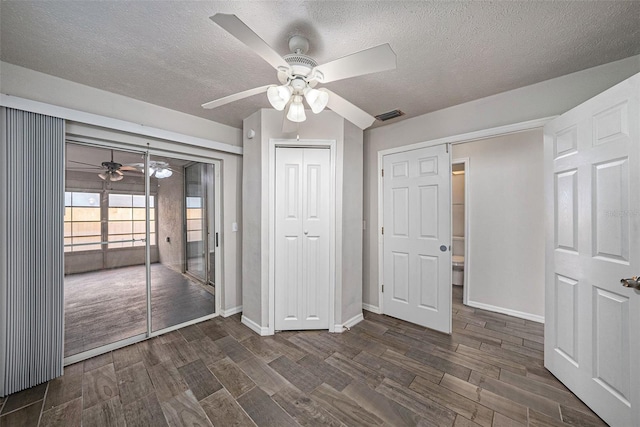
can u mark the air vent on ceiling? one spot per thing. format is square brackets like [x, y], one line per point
[389, 115]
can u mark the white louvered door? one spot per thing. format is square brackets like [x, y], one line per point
[592, 187]
[302, 268]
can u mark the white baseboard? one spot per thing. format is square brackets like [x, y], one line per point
[507, 311]
[260, 330]
[231, 311]
[348, 324]
[371, 308]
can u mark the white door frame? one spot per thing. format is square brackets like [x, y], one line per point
[467, 235]
[455, 139]
[305, 143]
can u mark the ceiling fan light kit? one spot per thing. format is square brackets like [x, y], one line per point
[296, 110]
[111, 175]
[298, 75]
[316, 98]
[161, 173]
[279, 96]
[112, 172]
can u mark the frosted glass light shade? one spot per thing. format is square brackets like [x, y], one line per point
[163, 173]
[279, 96]
[110, 176]
[296, 110]
[317, 99]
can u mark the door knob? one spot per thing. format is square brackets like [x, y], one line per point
[306, 232]
[631, 283]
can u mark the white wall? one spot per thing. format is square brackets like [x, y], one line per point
[352, 222]
[327, 125]
[32, 85]
[549, 98]
[36, 86]
[505, 268]
[252, 253]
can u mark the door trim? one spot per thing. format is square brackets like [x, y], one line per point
[335, 233]
[453, 140]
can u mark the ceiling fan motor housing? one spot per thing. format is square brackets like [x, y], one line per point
[111, 166]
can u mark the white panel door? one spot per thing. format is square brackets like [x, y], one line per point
[303, 180]
[417, 237]
[592, 179]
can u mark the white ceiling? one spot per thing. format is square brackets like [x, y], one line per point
[169, 53]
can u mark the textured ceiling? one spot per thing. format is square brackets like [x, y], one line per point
[169, 53]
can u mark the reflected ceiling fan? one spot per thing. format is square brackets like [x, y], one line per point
[299, 74]
[111, 171]
[157, 168]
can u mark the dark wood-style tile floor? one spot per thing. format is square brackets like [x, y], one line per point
[382, 372]
[106, 306]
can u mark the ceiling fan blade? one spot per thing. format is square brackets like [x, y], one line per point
[234, 26]
[355, 115]
[373, 60]
[129, 168]
[235, 97]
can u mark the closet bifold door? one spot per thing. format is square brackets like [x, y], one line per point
[31, 249]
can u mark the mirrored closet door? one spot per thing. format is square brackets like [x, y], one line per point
[140, 246]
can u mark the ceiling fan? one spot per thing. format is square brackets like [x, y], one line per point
[157, 168]
[299, 74]
[111, 171]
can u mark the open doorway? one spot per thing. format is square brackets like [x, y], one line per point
[459, 225]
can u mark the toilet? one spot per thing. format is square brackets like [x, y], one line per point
[457, 261]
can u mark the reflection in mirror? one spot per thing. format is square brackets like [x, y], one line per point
[104, 233]
[180, 291]
[107, 213]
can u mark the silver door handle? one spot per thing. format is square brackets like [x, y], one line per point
[306, 232]
[631, 283]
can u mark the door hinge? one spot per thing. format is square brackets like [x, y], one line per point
[382, 172]
[382, 230]
[382, 288]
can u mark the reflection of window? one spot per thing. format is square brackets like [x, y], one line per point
[124, 215]
[127, 217]
[194, 219]
[81, 221]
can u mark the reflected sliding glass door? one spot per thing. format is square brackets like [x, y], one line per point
[136, 247]
[200, 231]
[180, 292]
